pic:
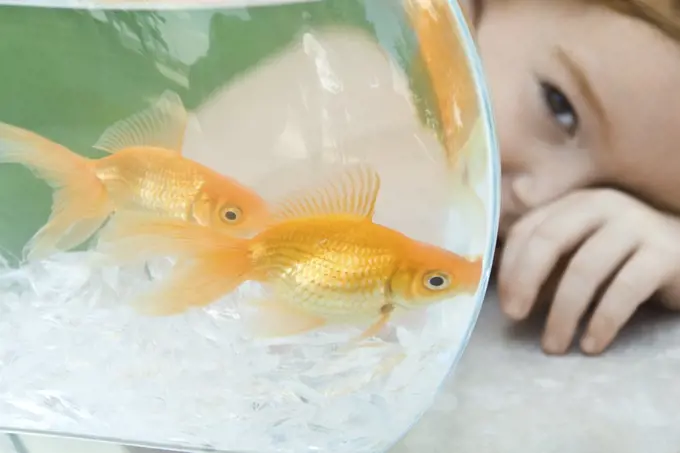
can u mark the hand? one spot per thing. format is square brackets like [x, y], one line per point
[615, 244]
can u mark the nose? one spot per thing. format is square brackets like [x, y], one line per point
[515, 166]
[511, 206]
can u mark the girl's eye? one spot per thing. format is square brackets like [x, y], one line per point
[560, 108]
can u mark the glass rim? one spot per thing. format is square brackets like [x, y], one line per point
[156, 5]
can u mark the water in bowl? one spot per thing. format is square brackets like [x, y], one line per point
[277, 91]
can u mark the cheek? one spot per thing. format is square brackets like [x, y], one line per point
[552, 172]
[555, 174]
[256, 215]
[204, 214]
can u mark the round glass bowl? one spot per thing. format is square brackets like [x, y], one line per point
[276, 91]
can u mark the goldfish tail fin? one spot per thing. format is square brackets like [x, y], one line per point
[80, 203]
[210, 263]
[78, 211]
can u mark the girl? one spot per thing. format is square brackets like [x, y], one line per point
[586, 96]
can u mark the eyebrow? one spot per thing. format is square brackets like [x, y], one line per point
[584, 86]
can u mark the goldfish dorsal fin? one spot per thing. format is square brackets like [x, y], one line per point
[352, 191]
[161, 126]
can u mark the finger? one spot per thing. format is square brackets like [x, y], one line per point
[558, 234]
[514, 245]
[524, 228]
[595, 261]
[634, 284]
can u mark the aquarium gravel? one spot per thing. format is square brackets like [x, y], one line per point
[76, 358]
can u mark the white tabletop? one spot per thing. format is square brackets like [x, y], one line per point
[506, 396]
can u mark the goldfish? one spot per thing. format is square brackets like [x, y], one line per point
[443, 53]
[321, 260]
[144, 169]
[442, 49]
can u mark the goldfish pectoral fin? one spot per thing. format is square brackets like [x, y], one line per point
[351, 191]
[375, 328]
[190, 285]
[124, 252]
[279, 319]
[160, 236]
[130, 237]
[162, 126]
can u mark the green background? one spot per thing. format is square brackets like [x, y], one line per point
[69, 74]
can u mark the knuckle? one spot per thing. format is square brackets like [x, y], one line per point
[616, 202]
[622, 289]
[571, 300]
[641, 220]
[624, 298]
[609, 195]
[606, 322]
[517, 231]
[582, 269]
[546, 236]
[659, 259]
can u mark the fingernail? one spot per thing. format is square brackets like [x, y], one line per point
[589, 345]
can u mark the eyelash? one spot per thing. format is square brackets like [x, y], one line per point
[561, 109]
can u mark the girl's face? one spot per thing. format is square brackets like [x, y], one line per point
[583, 96]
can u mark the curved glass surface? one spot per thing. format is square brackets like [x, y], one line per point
[277, 94]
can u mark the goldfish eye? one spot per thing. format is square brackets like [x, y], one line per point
[231, 214]
[436, 281]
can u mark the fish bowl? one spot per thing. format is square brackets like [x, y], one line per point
[275, 98]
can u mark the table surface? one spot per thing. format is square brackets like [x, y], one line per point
[507, 396]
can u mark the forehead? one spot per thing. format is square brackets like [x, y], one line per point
[630, 66]
[621, 56]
